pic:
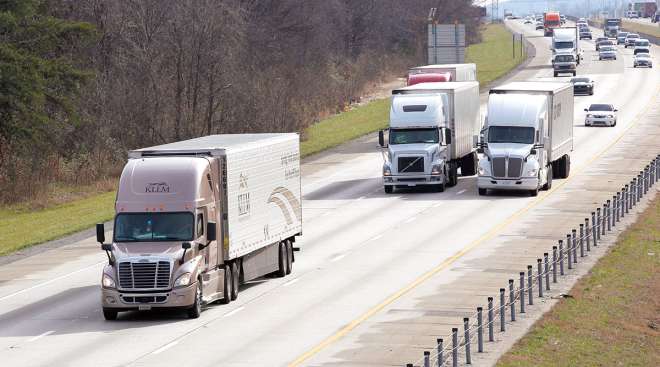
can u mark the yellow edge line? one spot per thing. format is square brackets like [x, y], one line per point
[490, 234]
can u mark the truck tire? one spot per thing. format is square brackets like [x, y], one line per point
[388, 189]
[289, 256]
[548, 183]
[565, 165]
[555, 74]
[227, 285]
[482, 192]
[440, 187]
[196, 309]
[281, 272]
[235, 280]
[110, 314]
[453, 174]
[469, 164]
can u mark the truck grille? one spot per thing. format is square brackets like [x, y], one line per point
[144, 275]
[507, 167]
[411, 164]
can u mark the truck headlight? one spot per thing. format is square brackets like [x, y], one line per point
[107, 281]
[437, 169]
[387, 171]
[481, 171]
[183, 280]
[533, 171]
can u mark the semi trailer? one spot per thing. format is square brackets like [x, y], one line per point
[442, 73]
[430, 135]
[527, 137]
[196, 218]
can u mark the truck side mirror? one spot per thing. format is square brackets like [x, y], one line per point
[447, 136]
[381, 139]
[106, 247]
[211, 231]
[100, 232]
[185, 246]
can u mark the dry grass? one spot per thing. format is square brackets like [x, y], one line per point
[614, 317]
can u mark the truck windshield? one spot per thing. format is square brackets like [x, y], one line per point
[413, 136]
[511, 134]
[564, 44]
[564, 58]
[153, 227]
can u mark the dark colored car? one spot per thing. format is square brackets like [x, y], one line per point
[583, 85]
[585, 33]
[621, 38]
[599, 39]
[603, 43]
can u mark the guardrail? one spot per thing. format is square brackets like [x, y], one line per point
[557, 263]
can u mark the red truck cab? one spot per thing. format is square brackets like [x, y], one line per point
[551, 20]
[428, 78]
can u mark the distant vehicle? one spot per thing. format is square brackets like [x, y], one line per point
[564, 64]
[528, 21]
[642, 45]
[562, 19]
[630, 39]
[431, 133]
[656, 17]
[607, 53]
[603, 43]
[583, 85]
[643, 59]
[582, 24]
[528, 137]
[551, 20]
[599, 39]
[442, 73]
[539, 25]
[585, 33]
[621, 38]
[611, 27]
[582, 20]
[600, 114]
[632, 14]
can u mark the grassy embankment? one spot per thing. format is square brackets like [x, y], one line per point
[23, 225]
[613, 318]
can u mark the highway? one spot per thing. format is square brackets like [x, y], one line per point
[362, 250]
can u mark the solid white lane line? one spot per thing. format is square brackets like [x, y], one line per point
[337, 258]
[461, 192]
[51, 281]
[40, 336]
[292, 281]
[165, 347]
[377, 237]
[233, 312]
[361, 197]
[409, 220]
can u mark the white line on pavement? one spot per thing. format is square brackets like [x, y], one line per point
[461, 192]
[377, 237]
[40, 336]
[338, 257]
[233, 312]
[409, 220]
[292, 281]
[165, 347]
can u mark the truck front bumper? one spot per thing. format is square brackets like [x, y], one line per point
[125, 301]
[412, 180]
[523, 183]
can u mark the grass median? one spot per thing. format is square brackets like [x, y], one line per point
[22, 226]
[613, 318]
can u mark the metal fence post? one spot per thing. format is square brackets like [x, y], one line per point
[609, 215]
[522, 292]
[626, 199]
[480, 329]
[561, 257]
[639, 186]
[512, 299]
[587, 233]
[599, 222]
[491, 337]
[546, 262]
[569, 251]
[554, 264]
[634, 191]
[441, 357]
[502, 315]
[530, 293]
[581, 240]
[539, 274]
[466, 328]
[454, 349]
[575, 245]
[594, 229]
[617, 207]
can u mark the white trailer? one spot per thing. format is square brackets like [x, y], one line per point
[528, 136]
[196, 218]
[458, 72]
[565, 40]
[430, 134]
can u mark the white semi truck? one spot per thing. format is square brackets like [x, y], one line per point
[430, 135]
[565, 40]
[195, 219]
[527, 138]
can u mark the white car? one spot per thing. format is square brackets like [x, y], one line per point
[642, 45]
[607, 53]
[643, 59]
[600, 114]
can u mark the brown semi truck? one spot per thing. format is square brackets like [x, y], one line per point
[195, 219]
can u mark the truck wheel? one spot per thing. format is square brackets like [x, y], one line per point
[196, 309]
[110, 314]
[482, 192]
[453, 175]
[235, 280]
[534, 192]
[469, 164]
[566, 166]
[548, 183]
[281, 272]
[388, 189]
[555, 75]
[227, 285]
[289, 256]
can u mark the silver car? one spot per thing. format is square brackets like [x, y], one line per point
[630, 39]
[607, 53]
[600, 114]
[643, 60]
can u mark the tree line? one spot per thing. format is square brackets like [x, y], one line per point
[83, 81]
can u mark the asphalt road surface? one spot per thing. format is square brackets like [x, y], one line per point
[360, 248]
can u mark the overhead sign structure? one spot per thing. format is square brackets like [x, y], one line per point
[446, 43]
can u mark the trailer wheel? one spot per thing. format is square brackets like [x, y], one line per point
[235, 280]
[567, 166]
[289, 256]
[110, 314]
[453, 174]
[196, 309]
[227, 285]
[388, 189]
[548, 183]
[281, 272]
